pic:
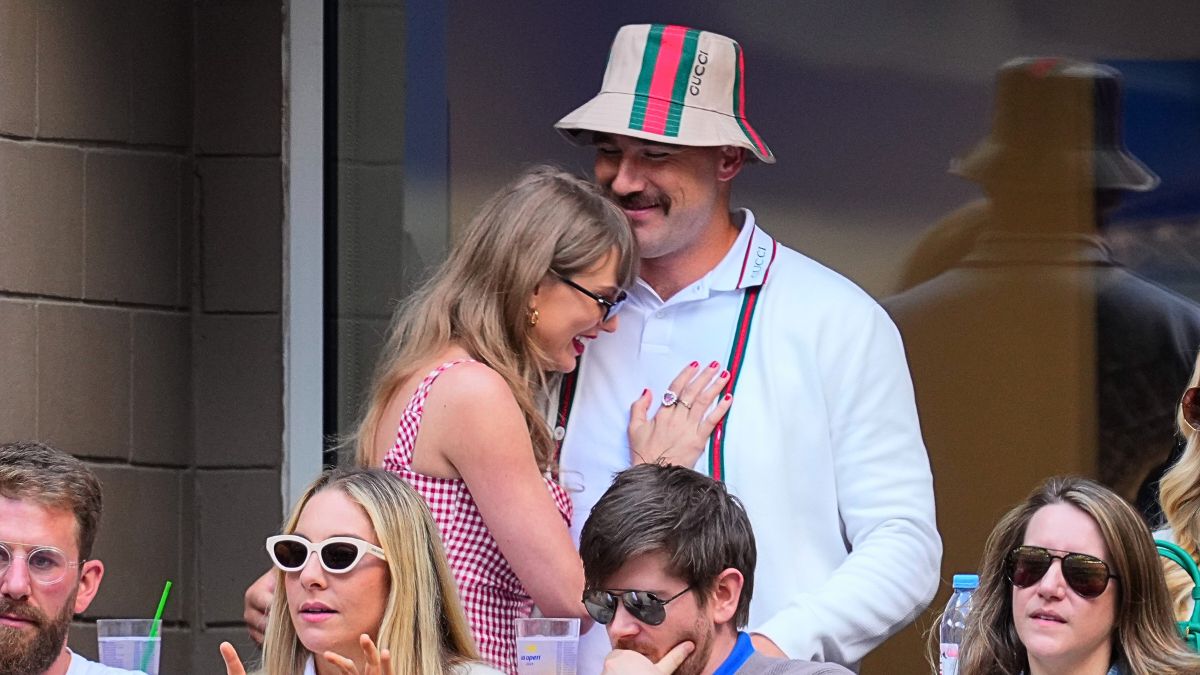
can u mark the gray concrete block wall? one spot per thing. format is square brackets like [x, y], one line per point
[239, 391]
[241, 259]
[132, 229]
[239, 64]
[83, 69]
[161, 389]
[144, 515]
[140, 289]
[236, 330]
[18, 55]
[237, 510]
[18, 362]
[41, 218]
[160, 100]
[83, 378]
[205, 655]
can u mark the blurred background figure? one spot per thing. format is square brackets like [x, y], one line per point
[1033, 351]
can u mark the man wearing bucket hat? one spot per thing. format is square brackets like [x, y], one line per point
[822, 444]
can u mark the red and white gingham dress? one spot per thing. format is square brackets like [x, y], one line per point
[491, 593]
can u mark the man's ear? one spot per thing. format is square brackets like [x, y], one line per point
[730, 161]
[724, 596]
[89, 584]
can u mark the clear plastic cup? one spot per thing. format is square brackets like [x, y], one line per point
[547, 646]
[124, 643]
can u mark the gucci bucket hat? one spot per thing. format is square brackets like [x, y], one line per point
[670, 84]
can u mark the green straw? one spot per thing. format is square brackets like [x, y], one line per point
[162, 602]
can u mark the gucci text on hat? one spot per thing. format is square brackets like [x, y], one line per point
[670, 84]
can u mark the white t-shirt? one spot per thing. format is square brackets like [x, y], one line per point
[81, 666]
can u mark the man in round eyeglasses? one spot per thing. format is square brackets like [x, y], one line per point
[668, 561]
[49, 515]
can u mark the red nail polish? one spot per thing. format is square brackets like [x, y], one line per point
[714, 364]
[724, 374]
[694, 364]
[645, 391]
[728, 396]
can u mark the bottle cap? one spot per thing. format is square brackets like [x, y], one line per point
[964, 582]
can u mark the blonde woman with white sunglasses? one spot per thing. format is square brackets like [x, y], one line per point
[366, 587]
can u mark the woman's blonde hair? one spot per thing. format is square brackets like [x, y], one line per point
[1179, 494]
[423, 623]
[547, 220]
[1145, 637]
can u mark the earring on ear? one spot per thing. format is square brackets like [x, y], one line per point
[533, 317]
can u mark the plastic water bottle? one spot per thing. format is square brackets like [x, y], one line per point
[954, 621]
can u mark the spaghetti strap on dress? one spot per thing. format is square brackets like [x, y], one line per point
[491, 593]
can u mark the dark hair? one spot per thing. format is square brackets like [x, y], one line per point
[46, 475]
[692, 518]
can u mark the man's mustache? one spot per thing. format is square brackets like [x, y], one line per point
[23, 611]
[641, 200]
[634, 646]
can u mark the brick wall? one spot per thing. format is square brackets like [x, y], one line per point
[140, 283]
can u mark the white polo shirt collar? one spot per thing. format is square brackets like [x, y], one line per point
[746, 264]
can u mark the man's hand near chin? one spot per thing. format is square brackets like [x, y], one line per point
[626, 662]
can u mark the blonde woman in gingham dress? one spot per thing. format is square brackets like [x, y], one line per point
[457, 407]
[492, 595]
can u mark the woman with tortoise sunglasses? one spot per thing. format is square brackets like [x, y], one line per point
[1070, 582]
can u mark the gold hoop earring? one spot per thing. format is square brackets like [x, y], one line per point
[533, 317]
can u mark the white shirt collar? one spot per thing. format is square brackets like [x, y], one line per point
[748, 260]
[745, 264]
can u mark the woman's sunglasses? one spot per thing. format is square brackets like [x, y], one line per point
[642, 605]
[1086, 575]
[338, 555]
[608, 307]
[1189, 405]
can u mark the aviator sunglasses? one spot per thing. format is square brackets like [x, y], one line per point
[338, 555]
[1189, 406]
[1086, 575]
[642, 605]
[609, 307]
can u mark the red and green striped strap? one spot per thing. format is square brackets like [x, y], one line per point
[737, 354]
[566, 399]
[716, 442]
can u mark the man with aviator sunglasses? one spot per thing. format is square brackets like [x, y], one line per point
[49, 514]
[668, 560]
